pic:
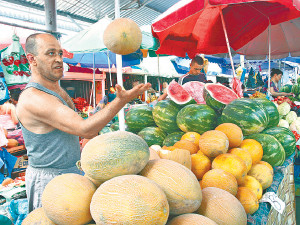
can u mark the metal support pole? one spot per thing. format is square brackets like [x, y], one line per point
[50, 11]
[269, 56]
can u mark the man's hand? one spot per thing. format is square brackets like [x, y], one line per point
[127, 96]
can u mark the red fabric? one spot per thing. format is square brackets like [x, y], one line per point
[78, 69]
[196, 26]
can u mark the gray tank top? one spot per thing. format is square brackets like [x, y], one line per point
[55, 149]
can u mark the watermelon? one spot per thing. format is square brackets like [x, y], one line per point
[195, 89]
[197, 118]
[285, 137]
[115, 126]
[298, 81]
[138, 118]
[286, 88]
[271, 110]
[177, 93]
[106, 130]
[164, 115]
[152, 135]
[248, 114]
[172, 138]
[218, 96]
[296, 89]
[273, 150]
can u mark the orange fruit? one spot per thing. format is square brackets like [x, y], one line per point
[220, 179]
[268, 165]
[248, 199]
[254, 185]
[170, 148]
[200, 165]
[188, 145]
[191, 136]
[263, 174]
[254, 148]
[233, 132]
[244, 155]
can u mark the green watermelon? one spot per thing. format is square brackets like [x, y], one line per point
[152, 135]
[273, 150]
[172, 138]
[217, 96]
[105, 130]
[298, 80]
[285, 137]
[197, 118]
[271, 110]
[286, 88]
[296, 89]
[138, 118]
[164, 115]
[248, 114]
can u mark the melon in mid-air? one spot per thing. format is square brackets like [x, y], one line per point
[178, 94]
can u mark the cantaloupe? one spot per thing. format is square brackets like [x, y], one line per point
[191, 136]
[191, 219]
[220, 179]
[188, 145]
[213, 143]
[180, 185]
[254, 148]
[130, 199]
[222, 207]
[153, 154]
[232, 164]
[248, 199]
[38, 217]
[233, 132]
[122, 36]
[268, 165]
[263, 174]
[66, 199]
[244, 155]
[114, 154]
[200, 164]
[253, 184]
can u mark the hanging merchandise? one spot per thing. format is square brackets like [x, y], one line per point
[251, 80]
[14, 64]
[259, 80]
[4, 94]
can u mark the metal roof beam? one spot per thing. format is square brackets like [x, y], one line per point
[59, 12]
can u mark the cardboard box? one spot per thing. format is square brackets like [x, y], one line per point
[21, 163]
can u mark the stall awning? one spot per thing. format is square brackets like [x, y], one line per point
[83, 76]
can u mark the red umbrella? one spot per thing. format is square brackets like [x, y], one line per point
[195, 26]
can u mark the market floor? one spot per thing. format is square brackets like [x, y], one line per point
[298, 210]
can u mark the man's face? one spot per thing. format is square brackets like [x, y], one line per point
[195, 68]
[49, 61]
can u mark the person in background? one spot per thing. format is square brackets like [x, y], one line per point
[276, 75]
[111, 95]
[194, 73]
[165, 87]
[50, 125]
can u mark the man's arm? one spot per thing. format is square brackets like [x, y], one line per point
[48, 110]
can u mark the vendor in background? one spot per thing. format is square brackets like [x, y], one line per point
[194, 73]
[276, 75]
[49, 122]
[111, 95]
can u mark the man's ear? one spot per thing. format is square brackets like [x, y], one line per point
[31, 59]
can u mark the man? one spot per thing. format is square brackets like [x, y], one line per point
[195, 73]
[49, 122]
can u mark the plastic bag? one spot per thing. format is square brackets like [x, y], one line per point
[9, 163]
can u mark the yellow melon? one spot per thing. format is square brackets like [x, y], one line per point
[220, 179]
[188, 145]
[248, 199]
[130, 199]
[170, 148]
[114, 154]
[122, 36]
[254, 148]
[213, 143]
[95, 182]
[37, 216]
[191, 136]
[153, 154]
[244, 155]
[180, 185]
[232, 164]
[191, 219]
[233, 132]
[253, 184]
[66, 199]
[268, 165]
[263, 174]
[200, 165]
[222, 207]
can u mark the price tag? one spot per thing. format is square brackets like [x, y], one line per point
[273, 199]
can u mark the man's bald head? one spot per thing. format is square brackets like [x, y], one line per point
[31, 44]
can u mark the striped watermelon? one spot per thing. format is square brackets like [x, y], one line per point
[197, 118]
[271, 110]
[286, 88]
[164, 115]
[273, 150]
[152, 135]
[248, 114]
[285, 137]
[139, 117]
[296, 89]
[298, 80]
[218, 96]
[195, 89]
[172, 138]
[177, 93]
